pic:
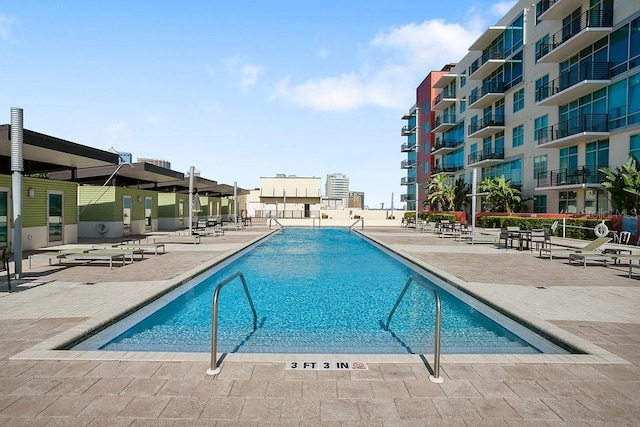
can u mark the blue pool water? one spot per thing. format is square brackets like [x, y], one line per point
[315, 291]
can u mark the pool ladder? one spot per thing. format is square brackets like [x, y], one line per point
[435, 377]
[277, 222]
[214, 318]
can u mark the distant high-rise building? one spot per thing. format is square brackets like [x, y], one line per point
[158, 162]
[337, 187]
[356, 199]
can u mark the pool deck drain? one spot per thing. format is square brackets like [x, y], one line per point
[595, 308]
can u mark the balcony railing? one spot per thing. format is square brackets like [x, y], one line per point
[443, 119]
[487, 88]
[585, 71]
[446, 143]
[407, 198]
[407, 147]
[571, 176]
[589, 123]
[480, 156]
[406, 164]
[589, 19]
[487, 55]
[407, 130]
[446, 169]
[491, 120]
[407, 180]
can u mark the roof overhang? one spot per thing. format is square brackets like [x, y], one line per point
[43, 153]
[139, 175]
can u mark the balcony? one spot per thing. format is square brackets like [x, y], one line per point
[444, 122]
[576, 35]
[580, 177]
[582, 80]
[486, 126]
[407, 116]
[486, 157]
[585, 128]
[556, 10]
[408, 164]
[487, 37]
[406, 147]
[487, 95]
[444, 100]
[445, 145]
[447, 170]
[407, 198]
[407, 130]
[444, 81]
[408, 180]
[490, 61]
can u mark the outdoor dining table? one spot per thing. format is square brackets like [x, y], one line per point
[523, 236]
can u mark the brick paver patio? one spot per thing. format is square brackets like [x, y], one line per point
[598, 307]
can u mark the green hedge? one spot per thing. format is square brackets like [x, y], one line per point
[531, 223]
[436, 217]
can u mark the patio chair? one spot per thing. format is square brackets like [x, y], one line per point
[541, 238]
[593, 247]
[507, 237]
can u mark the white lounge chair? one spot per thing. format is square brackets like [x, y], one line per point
[589, 248]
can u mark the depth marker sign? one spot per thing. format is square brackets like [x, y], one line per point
[327, 366]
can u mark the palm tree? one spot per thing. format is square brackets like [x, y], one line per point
[623, 185]
[501, 195]
[460, 194]
[440, 193]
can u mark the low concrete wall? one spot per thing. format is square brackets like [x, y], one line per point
[346, 218]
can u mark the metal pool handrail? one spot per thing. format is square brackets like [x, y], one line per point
[214, 318]
[436, 378]
[357, 221]
[277, 222]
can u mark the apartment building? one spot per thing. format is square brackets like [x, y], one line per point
[546, 97]
[337, 187]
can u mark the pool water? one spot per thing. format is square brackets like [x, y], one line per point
[315, 291]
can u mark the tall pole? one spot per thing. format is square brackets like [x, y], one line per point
[474, 180]
[17, 167]
[235, 201]
[191, 171]
[417, 164]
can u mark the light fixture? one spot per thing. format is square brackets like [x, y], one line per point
[139, 199]
[32, 193]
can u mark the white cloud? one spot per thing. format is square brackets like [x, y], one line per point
[6, 24]
[396, 60]
[245, 74]
[249, 76]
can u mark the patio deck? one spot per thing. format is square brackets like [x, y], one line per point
[596, 307]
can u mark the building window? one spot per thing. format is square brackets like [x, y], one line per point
[463, 104]
[518, 136]
[540, 126]
[542, 47]
[463, 79]
[518, 100]
[426, 168]
[597, 156]
[634, 146]
[568, 202]
[539, 167]
[540, 204]
[542, 85]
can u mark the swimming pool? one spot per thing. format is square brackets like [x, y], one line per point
[315, 291]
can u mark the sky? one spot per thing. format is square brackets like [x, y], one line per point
[239, 90]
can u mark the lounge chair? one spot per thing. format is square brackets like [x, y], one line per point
[588, 256]
[589, 248]
[97, 255]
